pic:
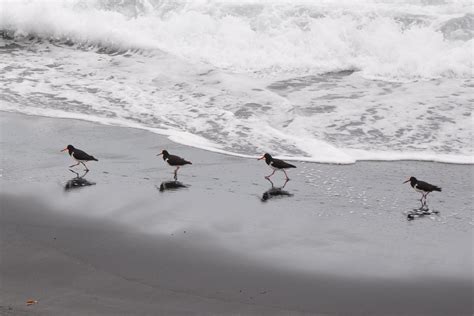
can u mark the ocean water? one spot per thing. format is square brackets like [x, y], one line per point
[336, 81]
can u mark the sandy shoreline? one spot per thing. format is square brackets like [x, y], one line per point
[341, 244]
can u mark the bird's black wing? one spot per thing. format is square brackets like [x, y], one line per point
[81, 155]
[280, 164]
[177, 161]
[425, 186]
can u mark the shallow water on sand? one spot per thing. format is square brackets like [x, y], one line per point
[332, 212]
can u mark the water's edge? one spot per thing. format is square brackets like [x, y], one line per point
[463, 160]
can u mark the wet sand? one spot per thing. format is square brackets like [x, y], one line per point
[340, 244]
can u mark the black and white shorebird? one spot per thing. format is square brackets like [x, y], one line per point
[422, 187]
[174, 161]
[78, 155]
[276, 164]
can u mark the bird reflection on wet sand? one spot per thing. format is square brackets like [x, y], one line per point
[171, 185]
[421, 212]
[275, 191]
[78, 181]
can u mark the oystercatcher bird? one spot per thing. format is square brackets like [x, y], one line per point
[79, 155]
[174, 161]
[276, 164]
[422, 187]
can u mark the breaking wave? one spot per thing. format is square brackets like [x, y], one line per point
[337, 81]
[392, 40]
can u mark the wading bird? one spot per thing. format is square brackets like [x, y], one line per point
[78, 155]
[276, 164]
[174, 161]
[422, 187]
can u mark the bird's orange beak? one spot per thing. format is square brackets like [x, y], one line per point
[160, 154]
[261, 157]
[64, 149]
[407, 180]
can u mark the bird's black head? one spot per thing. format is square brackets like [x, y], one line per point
[69, 148]
[268, 158]
[412, 181]
[165, 154]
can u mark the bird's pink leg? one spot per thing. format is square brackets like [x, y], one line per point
[74, 165]
[425, 196]
[268, 177]
[87, 169]
[421, 200]
[176, 173]
[287, 179]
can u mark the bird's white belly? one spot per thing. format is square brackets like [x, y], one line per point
[418, 190]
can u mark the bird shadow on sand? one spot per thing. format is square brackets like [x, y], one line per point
[171, 185]
[420, 212]
[275, 191]
[78, 181]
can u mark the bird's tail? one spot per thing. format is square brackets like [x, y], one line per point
[437, 189]
[188, 162]
[93, 158]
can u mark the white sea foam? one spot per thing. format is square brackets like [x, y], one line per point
[362, 155]
[334, 82]
[392, 40]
